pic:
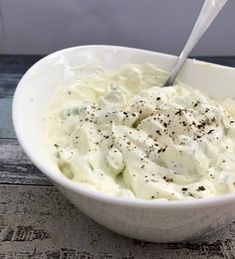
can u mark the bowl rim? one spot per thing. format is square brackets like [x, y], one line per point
[90, 193]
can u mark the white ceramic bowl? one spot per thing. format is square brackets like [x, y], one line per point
[165, 221]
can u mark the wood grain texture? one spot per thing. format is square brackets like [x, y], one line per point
[12, 68]
[17, 64]
[16, 168]
[37, 222]
[6, 127]
[8, 83]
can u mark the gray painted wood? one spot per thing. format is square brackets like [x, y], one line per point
[8, 83]
[37, 222]
[12, 68]
[17, 64]
[6, 127]
[15, 167]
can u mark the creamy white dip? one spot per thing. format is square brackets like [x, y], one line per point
[123, 135]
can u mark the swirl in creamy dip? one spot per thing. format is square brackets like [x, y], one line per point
[121, 134]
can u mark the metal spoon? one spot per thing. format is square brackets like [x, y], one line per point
[210, 10]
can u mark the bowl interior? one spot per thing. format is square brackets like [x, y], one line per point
[38, 85]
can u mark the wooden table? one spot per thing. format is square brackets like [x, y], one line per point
[36, 221]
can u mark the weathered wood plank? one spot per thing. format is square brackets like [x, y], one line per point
[8, 83]
[12, 67]
[17, 63]
[16, 168]
[6, 127]
[37, 222]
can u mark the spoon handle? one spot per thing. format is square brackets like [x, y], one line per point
[210, 10]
